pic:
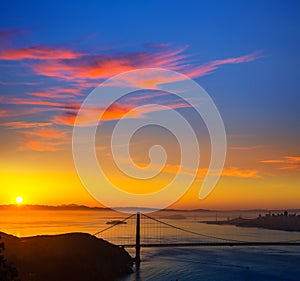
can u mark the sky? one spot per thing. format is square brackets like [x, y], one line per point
[245, 54]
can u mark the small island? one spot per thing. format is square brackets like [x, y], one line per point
[72, 256]
[115, 222]
[276, 221]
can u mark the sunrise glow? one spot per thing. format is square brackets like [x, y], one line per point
[46, 79]
[19, 200]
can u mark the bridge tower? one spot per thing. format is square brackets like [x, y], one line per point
[138, 239]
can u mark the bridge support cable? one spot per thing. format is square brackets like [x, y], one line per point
[195, 233]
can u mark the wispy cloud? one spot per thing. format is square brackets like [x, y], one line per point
[209, 67]
[44, 139]
[67, 119]
[48, 133]
[12, 112]
[226, 172]
[38, 53]
[240, 173]
[40, 145]
[246, 148]
[81, 70]
[57, 93]
[234, 172]
[25, 125]
[15, 83]
[4, 33]
[41, 102]
[105, 66]
[68, 64]
[285, 163]
[116, 111]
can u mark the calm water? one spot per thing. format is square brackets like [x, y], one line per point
[222, 263]
[206, 263]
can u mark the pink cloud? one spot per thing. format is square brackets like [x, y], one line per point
[67, 119]
[211, 66]
[4, 33]
[158, 45]
[25, 125]
[11, 112]
[81, 67]
[40, 145]
[48, 133]
[84, 68]
[68, 64]
[114, 112]
[139, 98]
[28, 101]
[38, 53]
[44, 139]
[57, 92]
[104, 66]
[201, 172]
[246, 148]
[19, 83]
[240, 173]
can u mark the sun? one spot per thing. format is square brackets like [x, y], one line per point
[19, 199]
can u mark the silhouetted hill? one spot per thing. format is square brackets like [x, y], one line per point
[73, 256]
[47, 207]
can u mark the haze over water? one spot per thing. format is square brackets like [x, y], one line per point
[197, 263]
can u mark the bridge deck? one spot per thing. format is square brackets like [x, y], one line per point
[208, 244]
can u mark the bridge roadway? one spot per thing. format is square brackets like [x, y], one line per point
[214, 244]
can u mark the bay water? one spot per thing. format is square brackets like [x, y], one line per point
[192, 263]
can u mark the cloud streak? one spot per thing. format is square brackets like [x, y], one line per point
[285, 163]
[4, 33]
[25, 125]
[38, 53]
[73, 65]
[209, 67]
[200, 173]
[105, 66]
[102, 67]
[40, 145]
[57, 93]
[82, 70]
[38, 102]
[44, 139]
[116, 111]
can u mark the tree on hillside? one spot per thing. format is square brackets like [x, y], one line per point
[7, 271]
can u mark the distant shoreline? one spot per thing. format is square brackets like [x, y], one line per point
[275, 222]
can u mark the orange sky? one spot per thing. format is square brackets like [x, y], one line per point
[248, 67]
[251, 177]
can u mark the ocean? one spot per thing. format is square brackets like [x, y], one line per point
[170, 264]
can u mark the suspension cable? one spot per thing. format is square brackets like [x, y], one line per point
[193, 232]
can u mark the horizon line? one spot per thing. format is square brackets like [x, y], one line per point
[78, 206]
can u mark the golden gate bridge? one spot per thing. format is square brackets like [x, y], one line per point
[140, 231]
